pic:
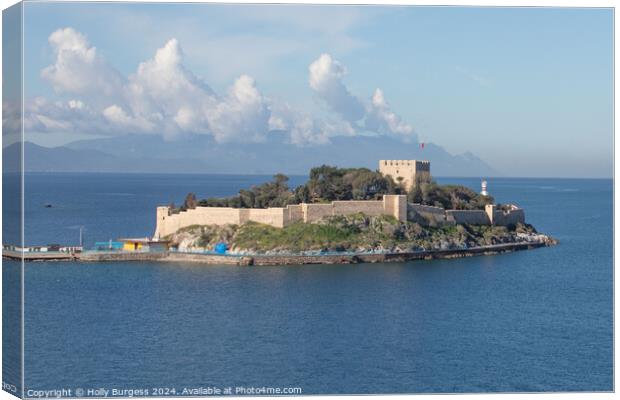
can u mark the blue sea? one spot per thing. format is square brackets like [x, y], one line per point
[529, 321]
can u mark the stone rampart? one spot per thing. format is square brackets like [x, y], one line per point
[421, 208]
[372, 208]
[167, 223]
[396, 206]
[473, 217]
[431, 216]
[314, 212]
[512, 216]
[268, 216]
[293, 213]
[393, 205]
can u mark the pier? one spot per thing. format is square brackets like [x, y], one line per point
[271, 259]
[42, 256]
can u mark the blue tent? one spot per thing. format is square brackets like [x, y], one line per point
[221, 248]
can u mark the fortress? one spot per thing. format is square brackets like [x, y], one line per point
[407, 172]
[411, 171]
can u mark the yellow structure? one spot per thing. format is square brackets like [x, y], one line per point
[132, 246]
[143, 244]
[407, 172]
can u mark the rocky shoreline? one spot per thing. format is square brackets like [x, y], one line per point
[266, 259]
[334, 240]
[304, 259]
[355, 234]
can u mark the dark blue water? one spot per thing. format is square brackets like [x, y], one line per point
[11, 286]
[537, 320]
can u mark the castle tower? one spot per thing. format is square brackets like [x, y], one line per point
[407, 172]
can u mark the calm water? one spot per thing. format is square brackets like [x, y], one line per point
[537, 320]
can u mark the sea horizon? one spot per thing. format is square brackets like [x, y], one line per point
[269, 175]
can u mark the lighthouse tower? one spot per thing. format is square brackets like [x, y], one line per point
[484, 189]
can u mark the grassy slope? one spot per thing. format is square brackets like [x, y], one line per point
[348, 233]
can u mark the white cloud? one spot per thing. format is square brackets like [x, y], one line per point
[75, 104]
[243, 115]
[325, 79]
[164, 97]
[304, 129]
[381, 119]
[118, 117]
[276, 123]
[42, 115]
[78, 68]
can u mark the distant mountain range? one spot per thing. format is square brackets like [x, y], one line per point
[201, 154]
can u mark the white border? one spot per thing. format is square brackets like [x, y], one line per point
[474, 3]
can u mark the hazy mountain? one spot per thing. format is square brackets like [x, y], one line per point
[151, 153]
[63, 159]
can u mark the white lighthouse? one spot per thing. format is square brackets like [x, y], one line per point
[484, 189]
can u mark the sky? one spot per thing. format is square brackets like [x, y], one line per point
[528, 90]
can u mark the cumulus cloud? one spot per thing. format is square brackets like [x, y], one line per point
[303, 128]
[43, 115]
[163, 84]
[163, 97]
[326, 79]
[382, 119]
[78, 68]
[243, 115]
[118, 117]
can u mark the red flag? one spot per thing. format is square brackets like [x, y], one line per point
[422, 145]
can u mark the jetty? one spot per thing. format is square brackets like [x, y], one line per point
[52, 252]
[207, 258]
[46, 256]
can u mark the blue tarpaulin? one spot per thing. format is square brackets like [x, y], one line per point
[108, 246]
[221, 248]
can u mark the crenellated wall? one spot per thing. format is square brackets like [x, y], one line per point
[293, 213]
[314, 212]
[473, 217]
[394, 205]
[505, 217]
[433, 216]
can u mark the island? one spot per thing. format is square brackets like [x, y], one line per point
[351, 214]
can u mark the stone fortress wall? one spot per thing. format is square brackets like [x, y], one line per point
[167, 223]
[411, 172]
[393, 205]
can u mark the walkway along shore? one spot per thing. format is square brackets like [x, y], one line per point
[259, 259]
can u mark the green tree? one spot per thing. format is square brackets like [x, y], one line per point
[328, 183]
